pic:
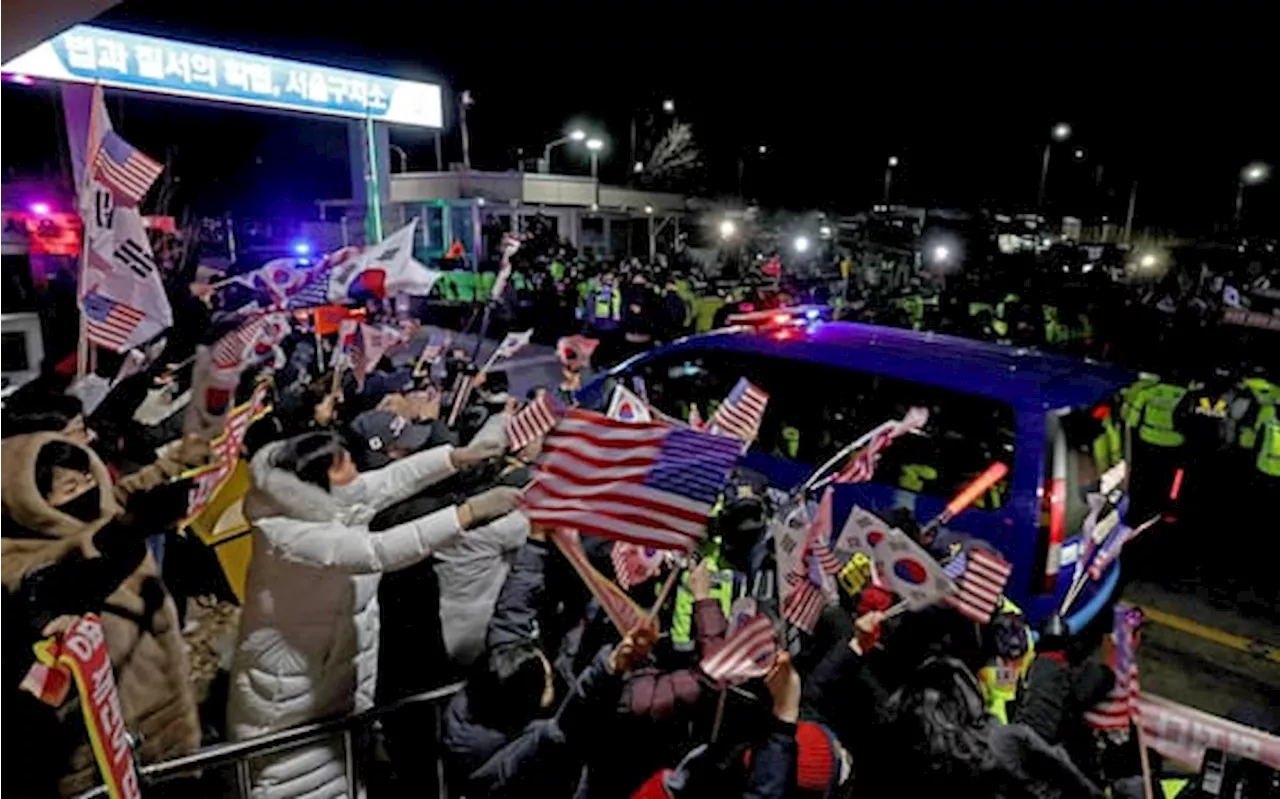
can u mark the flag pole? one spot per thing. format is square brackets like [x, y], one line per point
[82, 341]
[666, 589]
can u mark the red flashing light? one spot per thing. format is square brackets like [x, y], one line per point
[1056, 499]
[1101, 413]
[781, 318]
[746, 307]
[1176, 488]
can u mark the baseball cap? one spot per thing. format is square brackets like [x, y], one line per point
[378, 431]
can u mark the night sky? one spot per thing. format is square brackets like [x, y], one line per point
[1178, 100]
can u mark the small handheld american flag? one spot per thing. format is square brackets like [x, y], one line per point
[644, 482]
[1121, 705]
[980, 580]
[804, 601]
[747, 653]
[634, 564]
[124, 170]
[533, 420]
[741, 412]
[109, 323]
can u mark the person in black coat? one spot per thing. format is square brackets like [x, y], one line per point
[499, 739]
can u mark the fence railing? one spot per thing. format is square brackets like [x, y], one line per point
[240, 754]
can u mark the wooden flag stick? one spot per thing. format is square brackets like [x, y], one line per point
[666, 589]
[715, 725]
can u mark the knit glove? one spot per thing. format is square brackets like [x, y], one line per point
[491, 504]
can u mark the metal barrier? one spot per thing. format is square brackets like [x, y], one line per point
[241, 753]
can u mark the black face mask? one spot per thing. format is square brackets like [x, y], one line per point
[87, 507]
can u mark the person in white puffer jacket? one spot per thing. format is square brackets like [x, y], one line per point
[308, 645]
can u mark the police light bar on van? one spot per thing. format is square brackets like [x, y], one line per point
[781, 317]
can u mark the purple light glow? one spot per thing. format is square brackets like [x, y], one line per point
[25, 80]
[39, 209]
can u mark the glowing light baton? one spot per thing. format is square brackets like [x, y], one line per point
[970, 493]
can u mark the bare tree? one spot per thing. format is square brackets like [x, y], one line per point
[674, 157]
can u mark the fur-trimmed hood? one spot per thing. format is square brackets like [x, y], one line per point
[277, 492]
[58, 533]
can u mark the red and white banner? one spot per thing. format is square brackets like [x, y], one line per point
[81, 654]
[1182, 733]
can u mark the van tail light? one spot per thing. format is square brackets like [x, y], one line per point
[1055, 501]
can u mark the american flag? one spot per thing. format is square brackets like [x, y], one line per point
[1111, 546]
[804, 602]
[433, 349]
[511, 344]
[533, 420]
[644, 482]
[124, 170]
[827, 561]
[741, 412]
[314, 289]
[862, 466]
[226, 449]
[633, 564]
[235, 348]
[980, 579]
[747, 653]
[109, 323]
[1121, 705]
[622, 610]
[371, 343]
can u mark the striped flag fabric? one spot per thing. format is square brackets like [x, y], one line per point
[862, 466]
[622, 610]
[1110, 548]
[980, 578]
[741, 412]
[748, 652]
[226, 449]
[634, 564]
[109, 323]
[644, 482]
[803, 602]
[827, 561]
[123, 169]
[1121, 705]
[533, 420]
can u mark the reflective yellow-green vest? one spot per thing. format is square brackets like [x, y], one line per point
[1158, 406]
[1268, 460]
[1000, 681]
[682, 616]
[913, 476]
[1131, 399]
[1266, 396]
[1108, 447]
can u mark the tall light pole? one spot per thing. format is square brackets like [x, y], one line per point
[594, 146]
[888, 177]
[577, 134]
[1059, 133]
[1253, 174]
[465, 102]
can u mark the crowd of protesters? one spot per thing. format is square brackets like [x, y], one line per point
[349, 484]
[390, 557]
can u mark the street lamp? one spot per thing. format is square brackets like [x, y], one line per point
[801, 244]
[888, 177]
[1253, 174]
[637, 167]
[762, 149]
[1058, 133]
[941, 254]
[727, 229]
[669, 106]
[577, 134]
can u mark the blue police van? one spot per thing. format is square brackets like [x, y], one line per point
[830, 382]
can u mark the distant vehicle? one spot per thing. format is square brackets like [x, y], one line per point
[21, 350]
[830, 382]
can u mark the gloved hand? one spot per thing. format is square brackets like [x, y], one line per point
[476, 452]
[488, 505]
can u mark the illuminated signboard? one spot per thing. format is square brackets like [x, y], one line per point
[96, 55]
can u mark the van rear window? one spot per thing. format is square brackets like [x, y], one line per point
[814, 410]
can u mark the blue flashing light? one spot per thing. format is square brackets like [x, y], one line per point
[812, 314]
[302, 248]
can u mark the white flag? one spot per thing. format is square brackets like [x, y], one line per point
[626, 406]
[380, 270]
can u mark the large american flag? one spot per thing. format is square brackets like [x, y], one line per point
[533, 420]
[109, 323]
[1121, 705]
[124, 170]
[748, 652]
[741, 412]
[980, 579]
[644, 482]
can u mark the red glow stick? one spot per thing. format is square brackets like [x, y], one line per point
[967, 496]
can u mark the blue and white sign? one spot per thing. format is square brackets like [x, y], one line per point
[89, 54]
